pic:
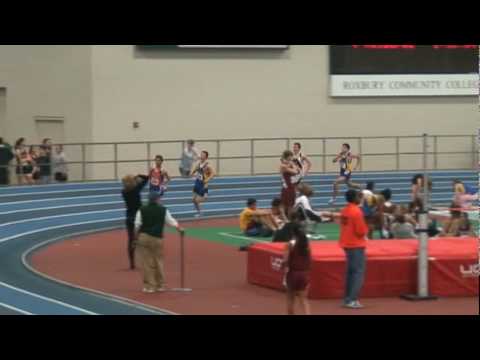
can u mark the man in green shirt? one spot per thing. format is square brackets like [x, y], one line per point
[149, 224]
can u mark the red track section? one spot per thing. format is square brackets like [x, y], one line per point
[217, 274]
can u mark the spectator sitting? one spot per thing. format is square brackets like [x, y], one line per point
[278, 214]
[254, 222]
[6, 155]
[59, 165]
[303, 206]
[401, 229]
[458, 225]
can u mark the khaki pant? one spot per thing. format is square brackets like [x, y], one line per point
[149, 253]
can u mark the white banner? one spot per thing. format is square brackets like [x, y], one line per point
[404, 85]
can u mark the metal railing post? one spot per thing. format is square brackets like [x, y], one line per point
[397, 147]
[324, 162]
[252, 157]
[149, 156]
[218, 157]
[115, 160]
[435, 152]
[84, 165]
[360, 153]
[474, 152]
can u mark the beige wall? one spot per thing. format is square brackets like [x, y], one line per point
[236, 94]
[101, 90]
[3, 111]
[48, 81]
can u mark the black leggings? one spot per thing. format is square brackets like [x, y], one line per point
[131, 241]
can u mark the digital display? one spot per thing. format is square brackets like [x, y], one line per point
[404, 70]
[403, 59]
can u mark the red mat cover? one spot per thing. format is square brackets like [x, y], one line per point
[391, 268]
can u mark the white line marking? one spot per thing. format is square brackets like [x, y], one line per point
[60, 216]
[47, 299]
[243, 238]
[23, 312]
[97, 293]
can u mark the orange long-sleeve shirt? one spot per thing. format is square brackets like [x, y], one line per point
[353, 228]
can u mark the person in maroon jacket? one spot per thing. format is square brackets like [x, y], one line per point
[297, 264]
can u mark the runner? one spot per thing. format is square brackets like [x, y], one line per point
[159, 177]
[302, 162]
[204, 173]
[346, 167]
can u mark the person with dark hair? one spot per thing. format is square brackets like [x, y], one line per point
[297, 265]
[150, 224]
[402, 229]
[159, 177]
[255, 222]
[353, 239]
[346, 158]
[302, 162]
[279, 216]
[288, 171]
[189, 156]
[46, 175]
[204, 173]
[43, 161]
[132, 195]
[19, 151]
[418, 187]
[6, 155]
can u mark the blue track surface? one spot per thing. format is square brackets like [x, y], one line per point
[33, 215]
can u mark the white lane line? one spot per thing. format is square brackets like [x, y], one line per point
[23, 312]
[387, 177]
[103, 295]
[60, 207]
[56, 228]
[60, 216]
[243, 238]
[47, 299]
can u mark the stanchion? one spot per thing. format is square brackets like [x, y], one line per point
[182, 288]
[423, 293]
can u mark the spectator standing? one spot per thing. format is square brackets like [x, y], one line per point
[19, 149]
[59, 164]
[353, 239]
[44, 166]
[132, 195]
[190, 156]
[6, 155]
[149, 224]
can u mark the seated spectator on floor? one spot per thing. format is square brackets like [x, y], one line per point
[278, 213]
[255, 222]
[303, 206]
[458, 225]
[401, 229]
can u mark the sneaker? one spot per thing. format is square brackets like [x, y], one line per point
[148, 291]
[161, 290]
[332, 201]
[199, 215]
[355, 305]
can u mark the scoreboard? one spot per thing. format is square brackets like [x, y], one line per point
[278, 47]
[404, 70]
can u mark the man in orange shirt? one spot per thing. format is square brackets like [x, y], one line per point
[353, 239]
